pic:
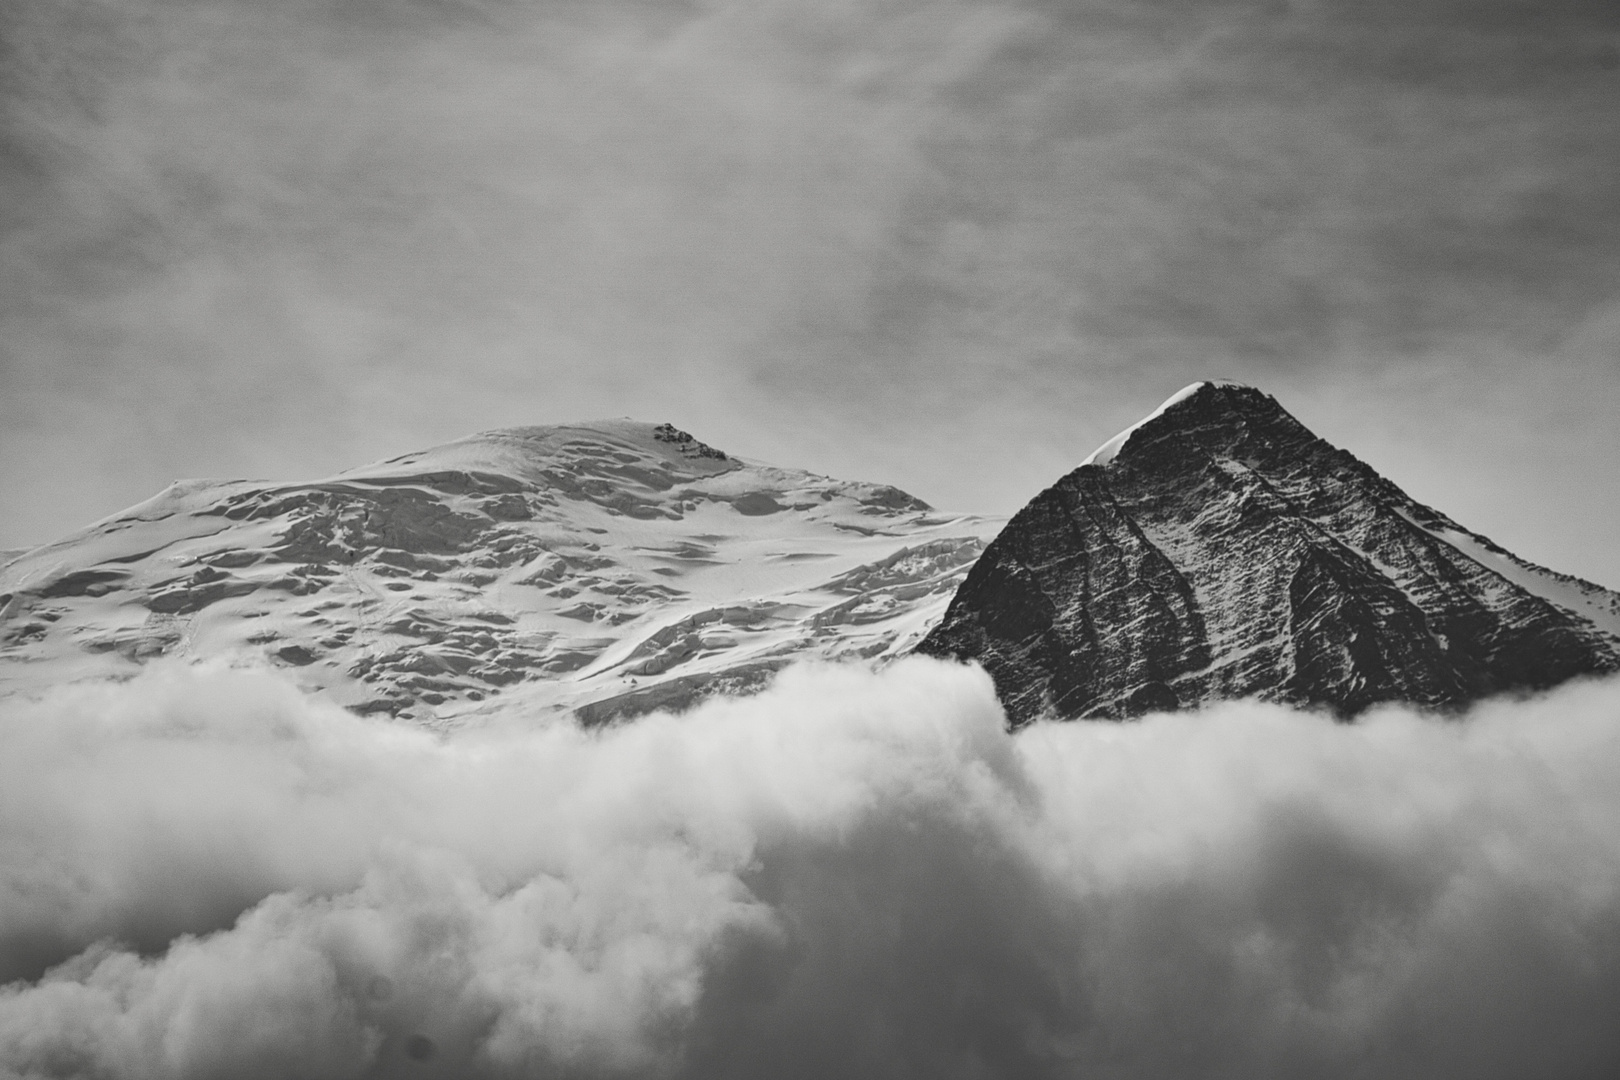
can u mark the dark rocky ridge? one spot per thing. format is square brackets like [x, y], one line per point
[1221, 550]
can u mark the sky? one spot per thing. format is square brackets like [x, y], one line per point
[947, 244]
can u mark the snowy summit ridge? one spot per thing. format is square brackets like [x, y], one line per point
[607, 567]
[1109, 450]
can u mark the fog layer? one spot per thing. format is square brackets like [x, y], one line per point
[204, 873]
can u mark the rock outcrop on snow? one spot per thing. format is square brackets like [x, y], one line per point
[1218, 549]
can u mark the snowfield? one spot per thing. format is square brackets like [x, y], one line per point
[606, 568]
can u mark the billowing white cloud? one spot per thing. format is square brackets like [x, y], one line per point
[204, 873]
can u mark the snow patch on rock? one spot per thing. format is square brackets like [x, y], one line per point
[1109, 450]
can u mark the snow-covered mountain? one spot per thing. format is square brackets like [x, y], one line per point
[606, 568]
[1218, 549]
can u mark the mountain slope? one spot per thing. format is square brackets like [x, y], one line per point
[607, 568]
[1218, 549]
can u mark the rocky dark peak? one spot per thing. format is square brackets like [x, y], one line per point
[1219, 549]
[1221, 415]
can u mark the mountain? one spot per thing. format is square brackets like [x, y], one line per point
[605, 568]
[1218, 549]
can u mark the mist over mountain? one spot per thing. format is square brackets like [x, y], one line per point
[560, 752]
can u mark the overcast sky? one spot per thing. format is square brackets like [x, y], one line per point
[948, 244]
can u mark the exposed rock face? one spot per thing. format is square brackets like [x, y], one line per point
[1219, 550]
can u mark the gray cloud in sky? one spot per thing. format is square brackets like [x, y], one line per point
[943, 243]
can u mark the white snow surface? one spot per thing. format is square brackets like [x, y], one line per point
[580, 566]
[1592, 603]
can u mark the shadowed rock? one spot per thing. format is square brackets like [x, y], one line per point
[1219, 550]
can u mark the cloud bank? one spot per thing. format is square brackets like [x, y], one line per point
[204, 873]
